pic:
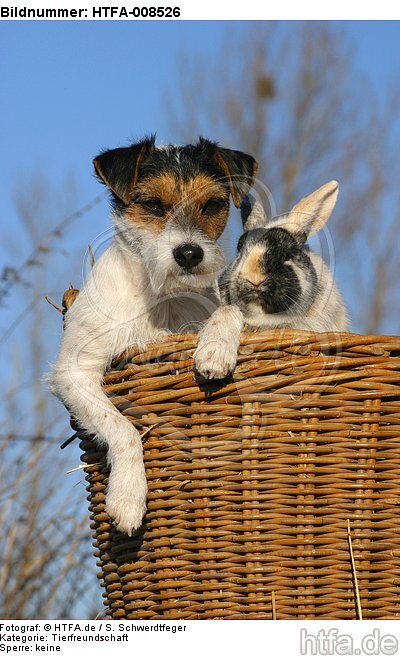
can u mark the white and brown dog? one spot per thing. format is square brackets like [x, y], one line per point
[170, 205]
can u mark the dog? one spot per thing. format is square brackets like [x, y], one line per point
[170, 204]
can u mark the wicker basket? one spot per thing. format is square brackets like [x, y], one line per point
[252, 482]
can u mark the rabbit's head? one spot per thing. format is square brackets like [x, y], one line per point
[273, 273]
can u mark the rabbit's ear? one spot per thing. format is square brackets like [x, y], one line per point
[311, 213]
[252, 213]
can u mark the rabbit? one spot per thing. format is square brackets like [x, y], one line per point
[275, 281]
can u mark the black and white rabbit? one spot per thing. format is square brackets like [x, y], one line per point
[275, 281]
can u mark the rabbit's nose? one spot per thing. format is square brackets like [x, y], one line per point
[252, 268]
[255, 279]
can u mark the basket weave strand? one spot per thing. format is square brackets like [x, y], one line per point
[252, 481]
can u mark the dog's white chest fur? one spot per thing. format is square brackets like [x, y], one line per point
[184, 314]
[119, 309]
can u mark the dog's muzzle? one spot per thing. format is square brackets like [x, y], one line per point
[188, 255]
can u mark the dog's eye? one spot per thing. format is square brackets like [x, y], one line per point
[153, 205]
[214, 205]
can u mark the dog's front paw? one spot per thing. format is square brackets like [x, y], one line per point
[126, 498]
[215, 359]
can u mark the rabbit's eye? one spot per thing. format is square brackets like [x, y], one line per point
[214, 205]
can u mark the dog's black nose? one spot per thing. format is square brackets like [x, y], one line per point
[188, 255]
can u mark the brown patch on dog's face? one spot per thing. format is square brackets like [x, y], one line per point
[200, 201]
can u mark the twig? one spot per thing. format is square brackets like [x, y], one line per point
[91, 256]
[69, 440]
[273, 605]
[53, 304]
[353, 565]
[147, 430]
[92, 464]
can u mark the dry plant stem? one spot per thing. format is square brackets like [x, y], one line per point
[93, 464]
[91, 256]
[354, 571]
[273, 602]
[53, 304]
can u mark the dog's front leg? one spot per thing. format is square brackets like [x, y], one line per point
[76, 380]
[216, 353]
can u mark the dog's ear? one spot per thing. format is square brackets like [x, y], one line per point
[119, 168]
[240, 170]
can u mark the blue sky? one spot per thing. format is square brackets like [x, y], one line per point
[71, 88]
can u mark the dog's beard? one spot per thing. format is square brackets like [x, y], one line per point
[165, 275]
[179, 281]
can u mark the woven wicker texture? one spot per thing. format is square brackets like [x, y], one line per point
[252, 482]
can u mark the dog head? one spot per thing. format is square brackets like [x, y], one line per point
[171, 204]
